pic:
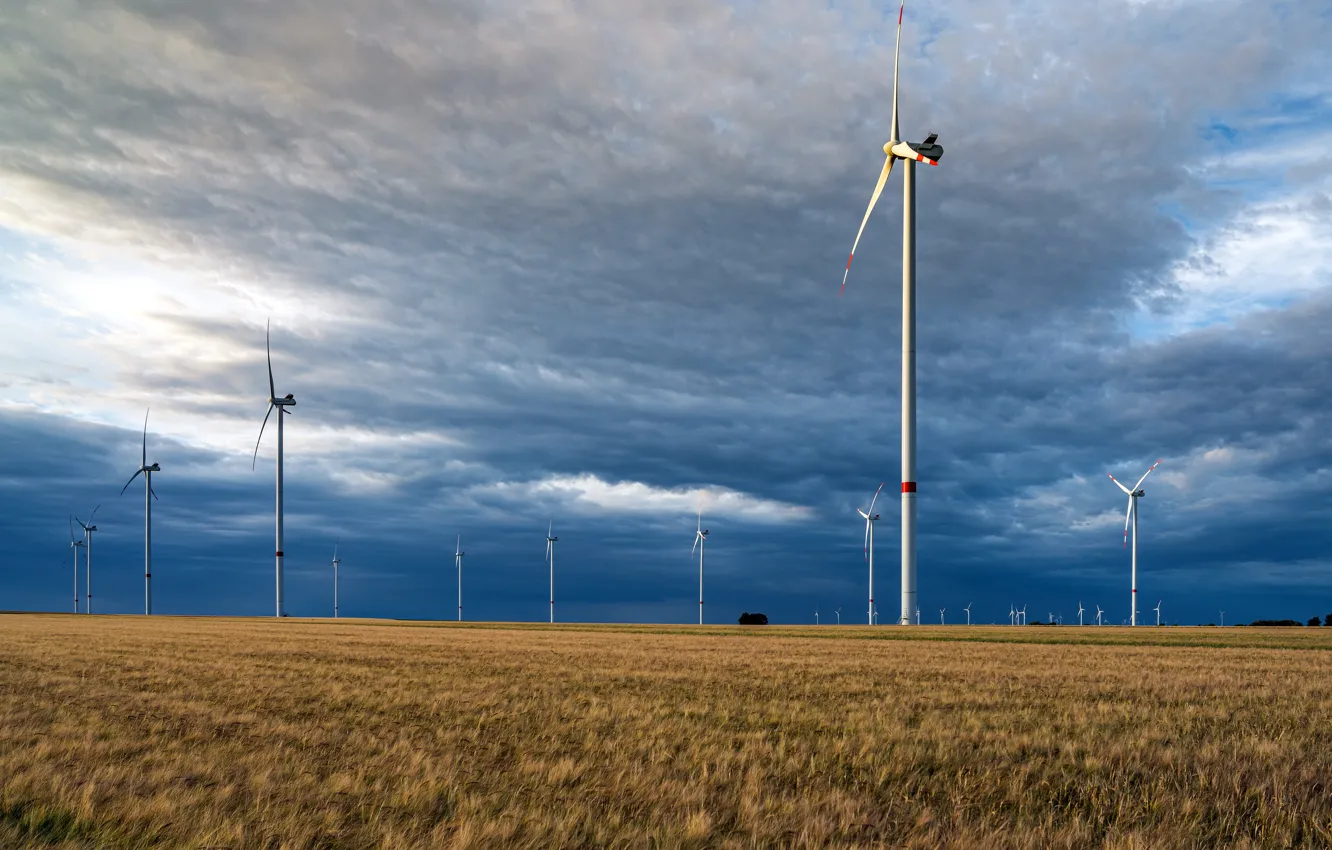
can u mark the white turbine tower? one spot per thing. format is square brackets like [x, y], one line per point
[968, 610]
[1079, 612]
[281, 405]
[918, 615]
[839, 616]
[700, 539]
[88, 530]
[870, 518]
[336, 561]
[1099, 612]
[76, 545]
[1223, 619]
[148, 496]
[910, 153]
[1132, 516]
[941, 615]
[1157, 609]
[457, 560]
[816, 616]
[550, 556]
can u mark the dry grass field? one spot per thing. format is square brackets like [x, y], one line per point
[126, 732]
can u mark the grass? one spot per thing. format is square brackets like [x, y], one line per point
[128, 732]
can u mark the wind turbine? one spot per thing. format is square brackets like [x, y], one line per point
[1157, 609]
[700, 538]
[941, 613]
[76, 545]
[816, 616]
[1079, 612]
[918, 615]
[968, 610]
[87, 556]
[1012, 616]
[910, 153]
[147, 472]
[281, 405]
[550, 556]
[457, 560]
[336, 561]
[1223, 619]
[1099, 612]
[870, 518]
[838, 612]
[1022, 616]
[1132, 516]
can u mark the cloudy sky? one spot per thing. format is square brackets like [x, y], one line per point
[580, 259]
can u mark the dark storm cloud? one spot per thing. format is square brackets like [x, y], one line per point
[524, 241]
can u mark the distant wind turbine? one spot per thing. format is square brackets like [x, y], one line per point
[816, 616]
[910, 153]
[550, 556]
[280, 405]
[1079, 612]
[1012, 616]
[1131, 515]
[88, 530]
[700, 539]
[76, 545]
[1157, 609]
[870, 518]
[941, 615]
[1223, 619]
[147, 472]
[336, 561]
[457, 560]
[839, 616]
[968, 610]
[1099, 612]
[1022, 616]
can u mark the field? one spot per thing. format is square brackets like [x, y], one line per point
[128, 732]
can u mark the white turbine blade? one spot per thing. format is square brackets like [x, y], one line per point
[897, 54]
[694, 548]
[1127, 516]
[131, 481]
[71, 533]
[867, 533]
[1145, 474]
[550, 526]
[874, 199]
[876, 497]
[255, 459]
[862, 513]
[268, 348]
[143, 459]
[94, 513]
[1120, 486]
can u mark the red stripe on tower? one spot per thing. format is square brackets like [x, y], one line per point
[900, 10]
[908, 486]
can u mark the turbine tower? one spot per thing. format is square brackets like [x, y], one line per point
[968, 610]
[1132, 516]
[76, 545]
[816, 616]
[457, 560]
[88, 530]
[281, 405]
[700, 539]
[550, 556]
[336, 561]
[1079, 612]
[838, 612]
[870, 518]
[1157, 609]
[941, 615]
[148, 496]
[910, 153]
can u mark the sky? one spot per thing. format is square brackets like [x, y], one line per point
[578, 261]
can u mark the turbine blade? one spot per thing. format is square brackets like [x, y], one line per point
[897, 54]
[268, 348]
[255, 459]
[94, 513]
[1120, 486]
[129, 482]
[153, 492]
[694, 548]
[1127, 515]
[867, 531]
[874, 199]
[876, 498]
[1145, 474]
[143, 459]
[71, 532]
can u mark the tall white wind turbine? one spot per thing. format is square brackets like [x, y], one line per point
[75, 545]
[1132, 516]
[941, 613]
[870, 518]
[1079, 612]
[148, 495]
[550, 556]
[816, 616]
[839, 616]
[280, 405]
[336, 562]
[88, 529]
[1157, 609]
[700, 540]
[968, 610]
[910, 153]
[457, 560]
[1099, 612]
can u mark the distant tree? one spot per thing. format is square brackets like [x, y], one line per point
[1314, 621]
[748, 619]
[1327, 621]
[1273, 623]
